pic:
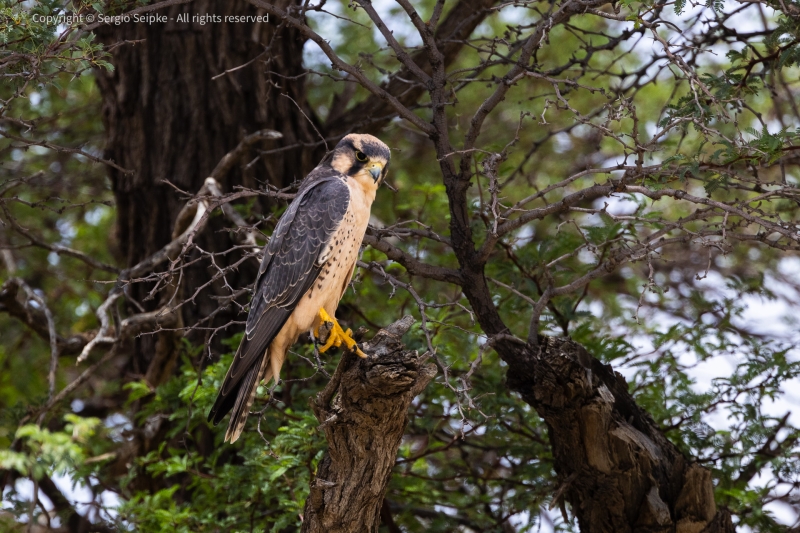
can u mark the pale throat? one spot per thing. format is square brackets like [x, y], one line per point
[363, 182]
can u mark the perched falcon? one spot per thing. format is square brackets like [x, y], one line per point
[307, 266]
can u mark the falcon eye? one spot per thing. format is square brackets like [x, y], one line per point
[361, 156]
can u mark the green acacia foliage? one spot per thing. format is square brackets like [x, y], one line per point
[263, 485]
[475, 458]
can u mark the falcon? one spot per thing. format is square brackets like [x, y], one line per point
[307, 265]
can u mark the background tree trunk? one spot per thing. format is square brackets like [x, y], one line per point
[363, 411]
[171, 112]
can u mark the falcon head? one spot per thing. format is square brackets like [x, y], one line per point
[362, 157]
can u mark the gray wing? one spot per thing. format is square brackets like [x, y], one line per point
[288, 270]
[315, 177]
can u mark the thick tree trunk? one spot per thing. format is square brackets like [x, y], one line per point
[616, 469]
[168, 118]
[363, 411]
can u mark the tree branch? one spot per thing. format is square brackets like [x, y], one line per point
[363, 413]
[57, 248]
[616, 468]
[35, 318]
[451, 36]
[342, 65]
[414, 266]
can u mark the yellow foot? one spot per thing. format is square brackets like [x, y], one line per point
[337, 336]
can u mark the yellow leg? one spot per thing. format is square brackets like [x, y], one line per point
[337, 336]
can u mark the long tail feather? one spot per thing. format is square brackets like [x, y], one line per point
[245, 398]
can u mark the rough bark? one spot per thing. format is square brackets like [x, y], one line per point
[171, 112]
[363, 413]
[616, 469]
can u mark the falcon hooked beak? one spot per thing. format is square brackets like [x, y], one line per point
[376, 169]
